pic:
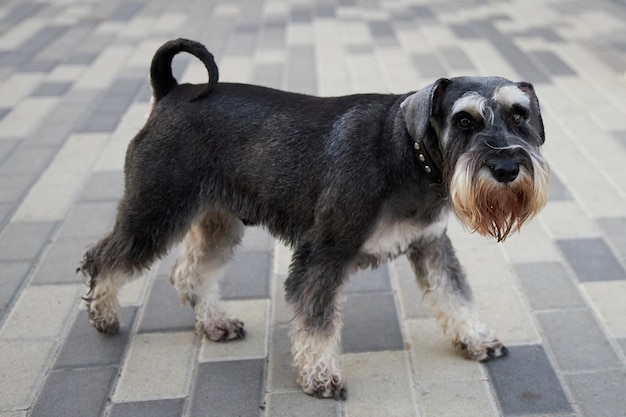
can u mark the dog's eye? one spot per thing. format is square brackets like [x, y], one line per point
[517, 119]
[466, 123]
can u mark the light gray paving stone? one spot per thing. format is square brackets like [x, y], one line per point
[558, 191]
[600, 394]
[163, 310]
[371, 329]
[171, 407]
[88, 220]
[75, 393]
[12, 275]
[60, 261]
[567, 329]
[24, 240]
[428, 65]
[547, 285]
[247, 276]
[292, 404]
[84, 347]
[233, 386]
[615, 231]
[256, 239]
[591, 259]
[525, 383]
[103, 185]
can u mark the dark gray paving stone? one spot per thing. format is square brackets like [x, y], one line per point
[369, 280]
[60, 261]
[75, 393]
[456, 58]
[12, 275]
[29, 159]
[85, 347]
[577, 341]
[24, 240]
[89, 220]
[622, 343]
[173, 407]
[52, 89]
[164, 311]
[371, 323]
[247, 276]
[525, 383]
[591, 259]
[236, 386]
[558, 191]
[4, 111]
[547, 286]
[615, 231]
[600, 394]
[292, 404]
[104, 185]
[13, 187]
[553, 64]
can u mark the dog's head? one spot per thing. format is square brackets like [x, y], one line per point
[487, 131]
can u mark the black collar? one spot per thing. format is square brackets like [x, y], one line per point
[429, 163]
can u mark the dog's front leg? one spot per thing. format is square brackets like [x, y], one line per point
[449, 298]
[312, 290]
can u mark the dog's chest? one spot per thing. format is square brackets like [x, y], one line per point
[390, 237]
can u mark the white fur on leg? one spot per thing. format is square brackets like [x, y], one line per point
[316, 354]
[459, 319]
[198, 270]
[102, 303]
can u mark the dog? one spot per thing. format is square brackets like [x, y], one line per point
[349, 182]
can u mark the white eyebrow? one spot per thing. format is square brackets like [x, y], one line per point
[510, 95]
[474, 104]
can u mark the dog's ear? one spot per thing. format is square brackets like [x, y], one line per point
[418, 108]
[535, 111]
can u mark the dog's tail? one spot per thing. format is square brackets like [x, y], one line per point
[161, 76]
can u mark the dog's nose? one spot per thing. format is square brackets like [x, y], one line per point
[505, 170]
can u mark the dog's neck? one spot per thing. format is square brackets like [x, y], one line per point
[429, 161]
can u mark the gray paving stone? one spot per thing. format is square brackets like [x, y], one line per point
[236, 386]
[88, 220]
[456, 58]
[4, 111]
[292, 404]
[12, 276]
[382, 32]
[104, 185]
[256, 239]
[282, 375]
[600, 394]
[525, 383]
[615, 231]
[75, 393]
[163, 310]
[547, 286]
[23, 241]
[14, 186]
[622, 343]
[369, 280]
[552, 63]
[577, 341]
[84, 347]
[591, 259]
[51, 89]
[5, 209]
[60, 261]
[428, 65]
[173, 407]
[558, 191]
[28, 159]
[368, 329]
[247, 276]
[269, 75]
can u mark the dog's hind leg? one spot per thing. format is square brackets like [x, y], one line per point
[312, 289]
[449, 297]
[207, 248]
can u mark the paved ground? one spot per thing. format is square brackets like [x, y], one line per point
[74, 89]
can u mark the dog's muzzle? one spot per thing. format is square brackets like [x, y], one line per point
[495, 197]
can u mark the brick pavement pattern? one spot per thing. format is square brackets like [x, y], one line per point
[73, 91]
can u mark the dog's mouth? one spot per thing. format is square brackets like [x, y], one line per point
[494, 208]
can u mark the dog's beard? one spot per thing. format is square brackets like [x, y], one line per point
[495, 209]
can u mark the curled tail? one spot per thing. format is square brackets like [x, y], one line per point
[161, 76]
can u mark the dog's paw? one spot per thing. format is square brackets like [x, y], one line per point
[484, 351]
[103, 323]
[223, 330]
[325, 386]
